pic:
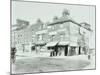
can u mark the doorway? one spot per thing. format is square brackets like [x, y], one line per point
[66, 50]
[79, 50]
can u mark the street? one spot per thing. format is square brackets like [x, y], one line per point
[48, 64]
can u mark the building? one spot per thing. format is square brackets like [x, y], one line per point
[65, 36]
[39, 33]
[61, 37]
[21, 36]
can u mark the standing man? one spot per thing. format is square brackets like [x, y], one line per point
[13, 54]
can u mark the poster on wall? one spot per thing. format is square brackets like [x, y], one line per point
[52, 37]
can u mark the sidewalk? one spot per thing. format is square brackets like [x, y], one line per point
[31, 64]
[92, 63]
[33, 54]
[47, 55]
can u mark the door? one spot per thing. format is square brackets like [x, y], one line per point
[66, 50]
[79, 50]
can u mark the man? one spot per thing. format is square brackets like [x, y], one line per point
[13, 54]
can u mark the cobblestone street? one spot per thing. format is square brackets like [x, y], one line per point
[48, 64]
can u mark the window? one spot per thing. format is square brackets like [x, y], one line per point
[52, 37]
[61, 26]
[21, 35]
[39, 37]
[53, 27]
[61, 36]
[49, 27]
[43, 35]
[40, 27]
[32, 40]
[18, 35]
[44, 26]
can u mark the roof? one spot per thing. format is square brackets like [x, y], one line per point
[73, 44]
[69, 20]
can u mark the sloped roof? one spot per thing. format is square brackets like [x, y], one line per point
[68, 20]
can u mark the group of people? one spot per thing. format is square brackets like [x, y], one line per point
[56, 52]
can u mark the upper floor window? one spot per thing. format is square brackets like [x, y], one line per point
[52, 37]
[53, 27]
[61, 26]
[44, 26]
[40, 27]
[62, 36]
[39, 37]
[19, 35]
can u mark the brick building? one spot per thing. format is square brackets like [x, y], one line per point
[63, 36]
[21, 36]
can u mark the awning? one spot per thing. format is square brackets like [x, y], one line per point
[51, 44]
[63, 43]
[40, 43]
[73, 44]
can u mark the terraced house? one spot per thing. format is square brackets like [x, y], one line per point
[21, 36]
[61, 37]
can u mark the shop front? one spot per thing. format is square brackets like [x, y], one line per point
[74, 49]
[39, 46]
[63, 48]
[52, 47]
[32, 47]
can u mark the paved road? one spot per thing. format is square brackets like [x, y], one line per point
[47, 64]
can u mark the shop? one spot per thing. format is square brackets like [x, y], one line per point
[39, 46]
[63, 48]
[52, 47]
[74, 49]
[32, 47]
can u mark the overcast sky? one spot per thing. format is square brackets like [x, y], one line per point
[31, 11]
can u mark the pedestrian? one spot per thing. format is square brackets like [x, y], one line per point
[51, 53]
[13, 54]
[89, 57]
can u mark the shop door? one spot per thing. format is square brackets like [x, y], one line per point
[66, 50]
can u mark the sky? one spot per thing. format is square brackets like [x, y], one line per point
[31, 11]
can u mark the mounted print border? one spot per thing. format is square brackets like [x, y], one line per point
[52, 37]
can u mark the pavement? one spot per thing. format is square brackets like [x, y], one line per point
[92, 64]
[33, 63]
[33, 54]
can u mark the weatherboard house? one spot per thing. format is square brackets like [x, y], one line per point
[61, 37]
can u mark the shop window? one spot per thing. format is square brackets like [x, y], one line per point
[72, 51]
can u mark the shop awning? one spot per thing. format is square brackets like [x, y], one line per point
[50, 44]
[73, 44]
[40, 43]
[63, 43]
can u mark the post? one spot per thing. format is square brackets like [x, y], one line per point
[68, 50]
